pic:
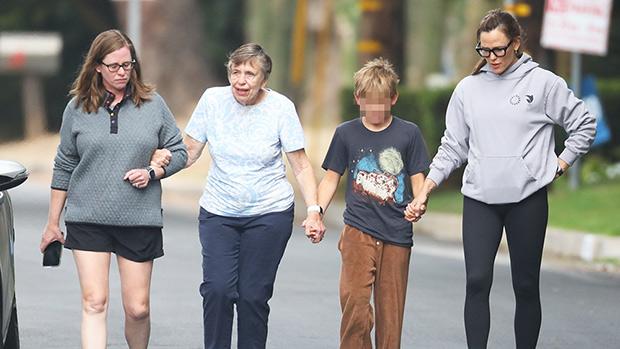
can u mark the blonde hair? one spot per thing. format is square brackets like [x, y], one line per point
[88, 86]
[377, 75]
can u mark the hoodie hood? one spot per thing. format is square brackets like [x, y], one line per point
[521, 67]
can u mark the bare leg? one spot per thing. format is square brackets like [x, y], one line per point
[136, 288]
[94, 273]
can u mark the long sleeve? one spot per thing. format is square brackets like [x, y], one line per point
[570, 112]
[452, 152]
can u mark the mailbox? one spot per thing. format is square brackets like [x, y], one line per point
[32, 53]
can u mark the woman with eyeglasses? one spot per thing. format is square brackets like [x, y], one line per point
[500, 120]
[102, 179]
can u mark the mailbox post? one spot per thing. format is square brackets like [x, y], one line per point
[31, 55]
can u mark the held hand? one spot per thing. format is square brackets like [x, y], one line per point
[416, 209]
[138, 177]
[161, 158]
[315, 229]
[50, 234]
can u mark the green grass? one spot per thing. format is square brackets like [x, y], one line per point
[592, 208]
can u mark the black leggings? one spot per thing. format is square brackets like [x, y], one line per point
[525, 223]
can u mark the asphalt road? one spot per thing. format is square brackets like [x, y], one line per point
[580, 309]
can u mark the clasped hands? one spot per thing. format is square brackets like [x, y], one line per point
[416, 209]
[315, 229]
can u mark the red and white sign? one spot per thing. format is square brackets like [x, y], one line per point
[577, 25]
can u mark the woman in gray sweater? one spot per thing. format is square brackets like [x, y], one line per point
[500, 121]
[102, 179]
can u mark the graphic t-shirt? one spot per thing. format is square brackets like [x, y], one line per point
[379, 165]
[247, 175]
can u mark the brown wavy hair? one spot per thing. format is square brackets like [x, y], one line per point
[504, 21]
[88, 86]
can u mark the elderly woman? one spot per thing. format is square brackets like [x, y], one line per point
[246, 210]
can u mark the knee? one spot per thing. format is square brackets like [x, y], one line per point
[479, 283]
[138, 310]
[253, 299]
[94, 303]
[526, 289]
[217, 291]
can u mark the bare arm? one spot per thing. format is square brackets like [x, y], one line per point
[161, 157]
[417, 183]
[304, 174]
[328, 188]
[194, 150]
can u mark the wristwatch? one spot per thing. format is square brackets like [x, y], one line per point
[316, 208]
[151, 172]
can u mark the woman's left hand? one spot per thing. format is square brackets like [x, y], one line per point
[138, 177]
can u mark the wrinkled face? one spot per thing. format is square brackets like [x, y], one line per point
[115, 82]
[497, 39]
[246, 80]
[376, 106]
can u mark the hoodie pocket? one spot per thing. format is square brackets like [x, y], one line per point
[499, 179]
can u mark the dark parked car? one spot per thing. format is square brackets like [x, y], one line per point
[12, 174]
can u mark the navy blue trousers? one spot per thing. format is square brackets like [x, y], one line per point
[240, 258]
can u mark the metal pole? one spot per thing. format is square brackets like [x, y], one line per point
[34, 106]
[134, 21]
[575, 64]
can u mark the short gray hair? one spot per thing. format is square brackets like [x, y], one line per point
[248, 52]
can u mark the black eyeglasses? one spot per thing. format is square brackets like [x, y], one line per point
[497, 51]
[114, 67]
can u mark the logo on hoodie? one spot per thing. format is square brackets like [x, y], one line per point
[514, 100]
[529, 98]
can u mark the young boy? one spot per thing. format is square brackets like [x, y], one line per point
[382, 153]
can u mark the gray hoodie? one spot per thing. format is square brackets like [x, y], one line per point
[502, 125]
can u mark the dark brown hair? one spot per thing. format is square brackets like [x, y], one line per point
[88, 86]
[504, 21]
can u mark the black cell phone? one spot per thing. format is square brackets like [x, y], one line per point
[52, 254]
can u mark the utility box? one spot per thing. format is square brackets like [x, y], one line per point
[30, 53]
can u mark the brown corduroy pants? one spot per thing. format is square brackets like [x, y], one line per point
[368, 262]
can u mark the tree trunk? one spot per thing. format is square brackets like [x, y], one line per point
[381, 28]
[268, 23]
[174, 51]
